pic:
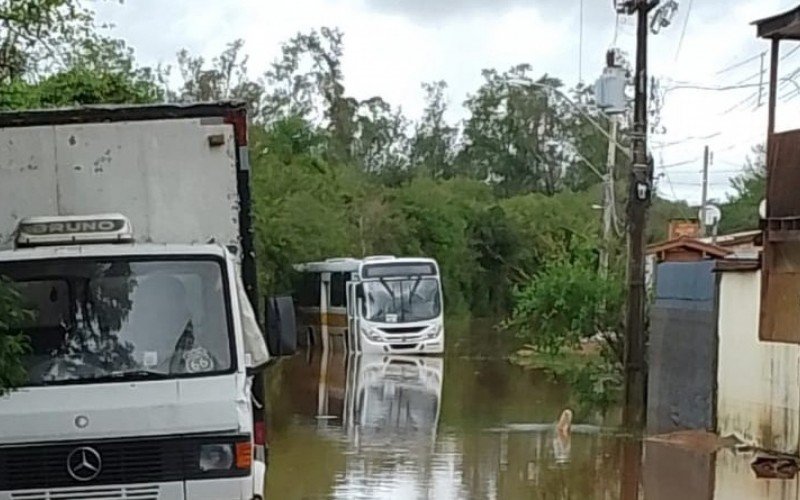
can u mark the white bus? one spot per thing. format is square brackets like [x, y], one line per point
[379, 304]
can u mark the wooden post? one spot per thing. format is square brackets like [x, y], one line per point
[773, 88]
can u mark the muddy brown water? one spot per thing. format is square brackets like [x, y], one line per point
[388, 427]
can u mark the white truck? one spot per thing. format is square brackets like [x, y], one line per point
[127, 233]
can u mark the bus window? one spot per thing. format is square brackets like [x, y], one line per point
[339, 289]
[308, 293]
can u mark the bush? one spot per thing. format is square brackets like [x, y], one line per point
[566, 301]
[13, 345]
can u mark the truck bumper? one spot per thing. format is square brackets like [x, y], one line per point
[214, 489]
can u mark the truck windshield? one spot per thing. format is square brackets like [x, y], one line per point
[402, 300]
[106, 320]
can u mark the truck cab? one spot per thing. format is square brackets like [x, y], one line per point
[137, 365]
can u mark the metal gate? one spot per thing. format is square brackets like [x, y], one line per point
[682, 349]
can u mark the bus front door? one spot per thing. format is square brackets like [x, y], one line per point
[353, 340]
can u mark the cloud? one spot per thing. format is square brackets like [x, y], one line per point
[448, 10]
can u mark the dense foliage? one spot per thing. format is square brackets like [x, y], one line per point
[567, 301]
[12, 344]
[740, 212]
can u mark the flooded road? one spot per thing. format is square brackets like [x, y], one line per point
[374, 427]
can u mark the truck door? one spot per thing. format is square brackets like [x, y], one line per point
[353, 339]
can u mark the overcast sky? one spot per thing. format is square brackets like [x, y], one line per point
[394, 45]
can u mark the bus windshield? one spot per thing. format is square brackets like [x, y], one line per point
[402, 300]
[93, 320]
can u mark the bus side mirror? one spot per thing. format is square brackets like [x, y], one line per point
[281, 331]
[360, 291]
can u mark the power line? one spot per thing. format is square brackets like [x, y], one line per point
[683, 30]
[711, 172]
[752, 97]
[685, 139]
[741, 63]
[790, 53]
[678, 164]
[700, 183]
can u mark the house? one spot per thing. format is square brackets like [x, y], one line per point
[680, 249]
[725, 336]
[685, 249]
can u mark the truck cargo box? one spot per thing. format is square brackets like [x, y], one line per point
[179, 172]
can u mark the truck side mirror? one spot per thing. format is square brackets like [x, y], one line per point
[281, 328]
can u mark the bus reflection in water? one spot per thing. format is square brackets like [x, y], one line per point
[386, 399]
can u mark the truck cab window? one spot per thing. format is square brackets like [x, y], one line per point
[109, 319]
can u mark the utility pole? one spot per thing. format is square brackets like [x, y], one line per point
[704, 197]
[639, 199]
[608, 197]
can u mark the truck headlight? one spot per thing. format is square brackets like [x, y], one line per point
[221, 458]
[216, 457]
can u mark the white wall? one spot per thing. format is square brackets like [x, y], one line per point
[758, 388]
[735, 480]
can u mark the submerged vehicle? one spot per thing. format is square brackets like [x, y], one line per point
[376, 305]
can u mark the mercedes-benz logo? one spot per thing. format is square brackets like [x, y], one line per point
[84, 464]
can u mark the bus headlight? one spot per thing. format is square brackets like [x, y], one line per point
[372, 333]
[434, 331]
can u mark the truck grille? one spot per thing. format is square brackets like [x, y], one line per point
[152, 460]
[129, 493]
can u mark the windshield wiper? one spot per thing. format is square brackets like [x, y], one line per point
[388, 288]
[129, 375]
[108, 377]
[414, 289]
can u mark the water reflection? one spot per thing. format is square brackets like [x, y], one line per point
[406, 427]
[409, 427]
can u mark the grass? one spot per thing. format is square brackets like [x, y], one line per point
[559, 364]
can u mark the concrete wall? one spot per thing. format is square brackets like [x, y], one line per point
[758, 396]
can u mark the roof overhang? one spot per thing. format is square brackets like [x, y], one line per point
[784, 26]
[692, 245]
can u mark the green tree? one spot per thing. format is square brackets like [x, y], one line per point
[37, 35]
[433, 145]
[740, 212]
[307, 82]
[96, 71]
[380, 145]
[514, 137]
[13, 344]
[300, 202]
[548, 225]
[226, 77]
